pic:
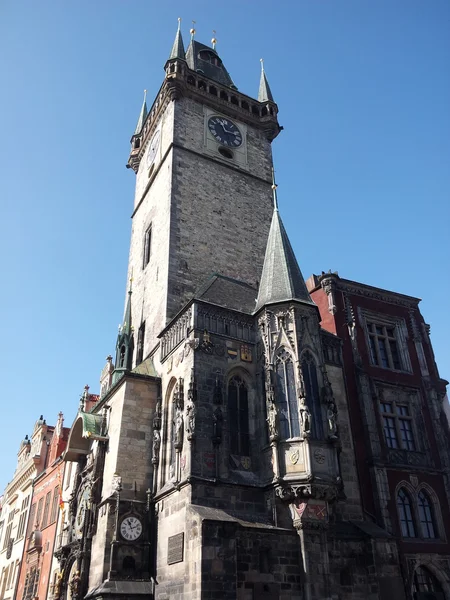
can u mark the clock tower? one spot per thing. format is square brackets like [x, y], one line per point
[203, 162]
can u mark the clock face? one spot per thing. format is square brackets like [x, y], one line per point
[153, 148]
[225, 131]
[131, 528]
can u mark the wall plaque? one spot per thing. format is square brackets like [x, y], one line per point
[175, 549]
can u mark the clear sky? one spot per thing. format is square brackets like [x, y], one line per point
[363, 163]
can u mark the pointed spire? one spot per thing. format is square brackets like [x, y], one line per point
[178, 46]
[281, 279]
[126, 327]
[264, 94]
[142, 115]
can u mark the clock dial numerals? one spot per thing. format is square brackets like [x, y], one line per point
[153, 149]
[225, 132]
[131, 529]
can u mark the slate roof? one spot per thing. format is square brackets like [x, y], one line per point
[178, 47]
[142, 117]
[281, 278]
[229, 293]
[219, 74]
[264, 93]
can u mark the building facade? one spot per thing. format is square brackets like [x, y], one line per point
[256, 437]
[35, 569]
[17, 500]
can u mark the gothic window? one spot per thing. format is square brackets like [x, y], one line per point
[238, 415]
[140, 344]
[427, 522]
[405, 514]
[426, 586]
[147, 246]
[397, 425]
[122, 356]
[286, 397]
[309, 372]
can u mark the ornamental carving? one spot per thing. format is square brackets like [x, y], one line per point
[190, 409]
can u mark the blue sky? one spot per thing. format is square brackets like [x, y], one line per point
[362, 165]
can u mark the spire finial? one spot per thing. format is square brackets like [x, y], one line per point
[179, 23]
[145, 95]
[192, 31]
[131, 282]
[274, 188]
[261, 60]
[214, 41]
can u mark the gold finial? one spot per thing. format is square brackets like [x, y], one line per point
[192, 31]
[179, 23]
[214, 41]
[261, 60]
[274, 188]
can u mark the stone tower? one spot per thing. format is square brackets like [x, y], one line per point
[219, 453]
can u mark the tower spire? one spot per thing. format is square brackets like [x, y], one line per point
[178, 46]
[142, 115]
[281, 279]
[264, 93]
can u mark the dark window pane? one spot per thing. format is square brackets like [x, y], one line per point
[281, 399]
[312, 394]
[390, 433]
[405, 515]
[386, 408]
[406, 434]
[292, 400]
[426, 516]
[373, 351]
[234, 417]
[383, 352]
[394, 354]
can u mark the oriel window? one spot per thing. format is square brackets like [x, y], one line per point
[309, 372]
[286, 398]
[384, 346]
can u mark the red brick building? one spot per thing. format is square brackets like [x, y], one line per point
[43, 520]
[395, 397]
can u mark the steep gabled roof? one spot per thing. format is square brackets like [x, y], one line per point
[281, 278]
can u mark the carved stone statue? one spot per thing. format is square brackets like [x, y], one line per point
[305, 418]
[190, 420]
[156, 446]
[331, 417]
[272, 422]
[179, 431]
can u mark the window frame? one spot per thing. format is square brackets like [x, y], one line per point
[413, 494]
[312, 391]
[430, 519]
[239, 417]
[147, 246]
[400, 337]
[406, 502]
[399, 419]
[291, 416]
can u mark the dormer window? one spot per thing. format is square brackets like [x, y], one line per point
[210, 57]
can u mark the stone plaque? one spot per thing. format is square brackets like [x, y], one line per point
[175, 549]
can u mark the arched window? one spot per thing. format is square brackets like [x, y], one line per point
[286, 397]
[427, 522]
[405, 514]
[426, 585]
[309, 372]
[238, 415]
